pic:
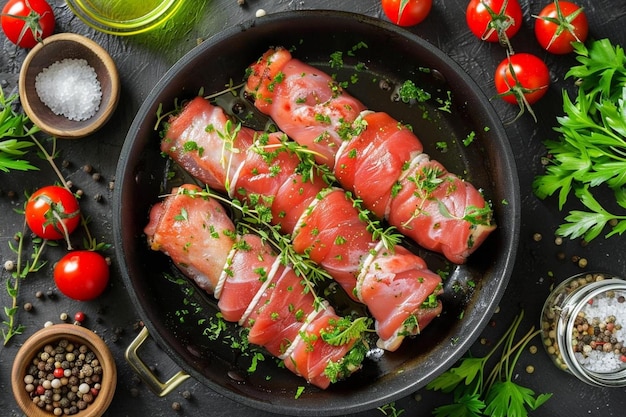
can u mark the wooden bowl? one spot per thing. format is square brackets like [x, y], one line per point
[54, 49]
[51, 335]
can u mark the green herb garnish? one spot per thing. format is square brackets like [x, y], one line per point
[14, 127]
[408, 92]
[477, 393]
[390, 410]
[591, 149]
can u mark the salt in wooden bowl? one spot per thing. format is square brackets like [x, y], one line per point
[55, 49]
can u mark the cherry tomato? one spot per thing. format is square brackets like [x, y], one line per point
[559, 24]
[26, 22]
[52, 212]
[522, 78]
[494, 20]
[82, 275]
[406, 12]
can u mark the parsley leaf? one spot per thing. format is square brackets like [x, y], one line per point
[14, 126]
[466, 406]
[591, 149]
[477, 393]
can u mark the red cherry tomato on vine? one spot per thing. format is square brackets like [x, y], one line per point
[52, 212]
[494, 20]
[26, 22]
[406, 12]
[82, 275]
[522, 77]
[559, 24]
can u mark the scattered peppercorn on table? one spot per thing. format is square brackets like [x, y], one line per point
[89, 164]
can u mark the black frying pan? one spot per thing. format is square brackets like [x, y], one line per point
[393, 55]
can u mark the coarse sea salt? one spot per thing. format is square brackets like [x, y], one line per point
[601, 307]
[70, 88]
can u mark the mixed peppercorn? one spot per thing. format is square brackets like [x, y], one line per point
[64, 378]
[593, 333]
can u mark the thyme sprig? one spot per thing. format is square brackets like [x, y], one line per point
[307, 167]
[390, 410]
[89, 242]
[19, 273]
[477, 393]
[256, 217]
[229, 149]
[161, 116]
[387, 235]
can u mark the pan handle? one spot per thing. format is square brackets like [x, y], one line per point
[157, 386]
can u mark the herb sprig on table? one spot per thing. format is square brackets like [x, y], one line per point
[14, 128]
[591, 150]
[17, 135]
[479, 393]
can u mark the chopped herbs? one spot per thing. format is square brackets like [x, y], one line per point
[409, 92]
[442, 146]
[469, 138]
[345, 330]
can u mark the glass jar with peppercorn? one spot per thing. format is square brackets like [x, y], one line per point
[583, 328]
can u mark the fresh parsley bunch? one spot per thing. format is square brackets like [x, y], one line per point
[477, 393]
[14, 127]
[591, 149]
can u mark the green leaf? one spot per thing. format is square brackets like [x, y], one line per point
[507, 399]
[466, 406]
[467, 371]
[591, 149]
[10, 311]
[540, 400]
[445, 382]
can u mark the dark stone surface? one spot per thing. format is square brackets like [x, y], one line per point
[143, 59]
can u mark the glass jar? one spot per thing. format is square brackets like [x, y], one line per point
[124, 17]
[583, 325]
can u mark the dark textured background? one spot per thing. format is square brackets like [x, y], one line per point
[143, 59]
